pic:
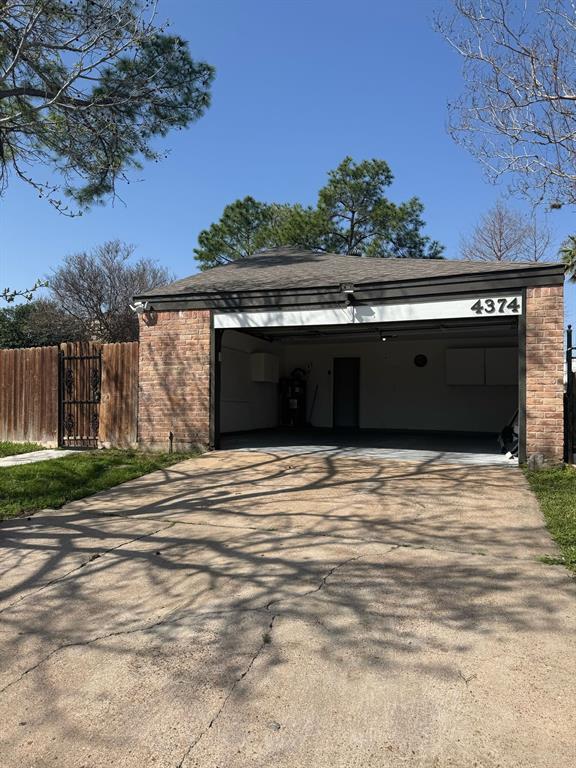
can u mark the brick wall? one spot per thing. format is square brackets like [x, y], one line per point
[174, 389]
[545, 372]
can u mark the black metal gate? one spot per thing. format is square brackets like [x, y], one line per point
[80, 389]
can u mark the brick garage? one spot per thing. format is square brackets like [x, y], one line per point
[174, 391]
[470, 320]
[545, 371]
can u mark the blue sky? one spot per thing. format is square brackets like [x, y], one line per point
[299, 85]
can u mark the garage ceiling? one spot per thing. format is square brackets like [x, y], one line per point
[493, 327]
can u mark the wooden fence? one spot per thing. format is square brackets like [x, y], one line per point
[119, 405]
[29, 395]
[33, 394]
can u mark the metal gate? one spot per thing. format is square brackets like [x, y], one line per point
[80, 394]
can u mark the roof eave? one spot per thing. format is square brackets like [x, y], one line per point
[542, 275]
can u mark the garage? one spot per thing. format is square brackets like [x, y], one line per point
[450, 387]
[302, 349]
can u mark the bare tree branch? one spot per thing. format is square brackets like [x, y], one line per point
[96, 288]
[517, 114]
[503, 234]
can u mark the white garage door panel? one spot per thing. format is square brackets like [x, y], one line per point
[447, 309]
[283, 318]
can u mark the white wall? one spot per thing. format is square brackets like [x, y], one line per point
[245, 404]
[395, 394]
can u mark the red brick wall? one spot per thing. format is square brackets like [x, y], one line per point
[174, 390]
[545, 372]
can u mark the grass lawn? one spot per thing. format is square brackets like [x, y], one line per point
[556, 492]
[13, 449]
[30, 487]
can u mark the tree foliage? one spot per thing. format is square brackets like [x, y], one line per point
[9, 294]
[568, 255]
[352, 216]
[89, 297]
[517, 114]
[37, 323]
[503, 234]
[244, 228]
[86, 86]
[362, 221]
[95, 289]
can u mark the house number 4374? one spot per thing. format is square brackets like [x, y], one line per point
[499, 306]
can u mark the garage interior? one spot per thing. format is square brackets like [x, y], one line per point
[415, 388]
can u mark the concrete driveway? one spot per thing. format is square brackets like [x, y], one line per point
[248, 609]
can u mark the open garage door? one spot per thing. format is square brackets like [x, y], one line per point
[447, 387]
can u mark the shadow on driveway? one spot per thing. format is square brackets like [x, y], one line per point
[253, 608]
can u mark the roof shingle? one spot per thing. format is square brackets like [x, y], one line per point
[292, 268]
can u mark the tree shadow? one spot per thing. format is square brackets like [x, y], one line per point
[186, 580]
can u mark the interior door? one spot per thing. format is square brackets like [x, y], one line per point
[346, 391]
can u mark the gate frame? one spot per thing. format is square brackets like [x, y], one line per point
[89, 443]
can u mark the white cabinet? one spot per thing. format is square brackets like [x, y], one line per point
[481, 366]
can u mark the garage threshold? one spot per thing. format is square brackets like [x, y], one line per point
[440, 448]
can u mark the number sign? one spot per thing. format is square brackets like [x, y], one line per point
[501, 305]
[450, 308]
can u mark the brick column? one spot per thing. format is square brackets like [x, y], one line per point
[545, 372]
[174, 389]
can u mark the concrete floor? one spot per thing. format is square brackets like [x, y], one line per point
[248, 609]
[448, 448]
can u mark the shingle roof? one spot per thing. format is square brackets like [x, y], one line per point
[291, 268]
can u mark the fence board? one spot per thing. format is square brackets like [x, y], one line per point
[29, 395]
[119, 406]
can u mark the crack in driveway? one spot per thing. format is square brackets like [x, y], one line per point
[93, 556]
[348, 538]
[121, 632]
[174, 617]
[231, 690]
[266, 640]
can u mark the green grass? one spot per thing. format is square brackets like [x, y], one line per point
[30, 487]
[556, 492]
[13, 449]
